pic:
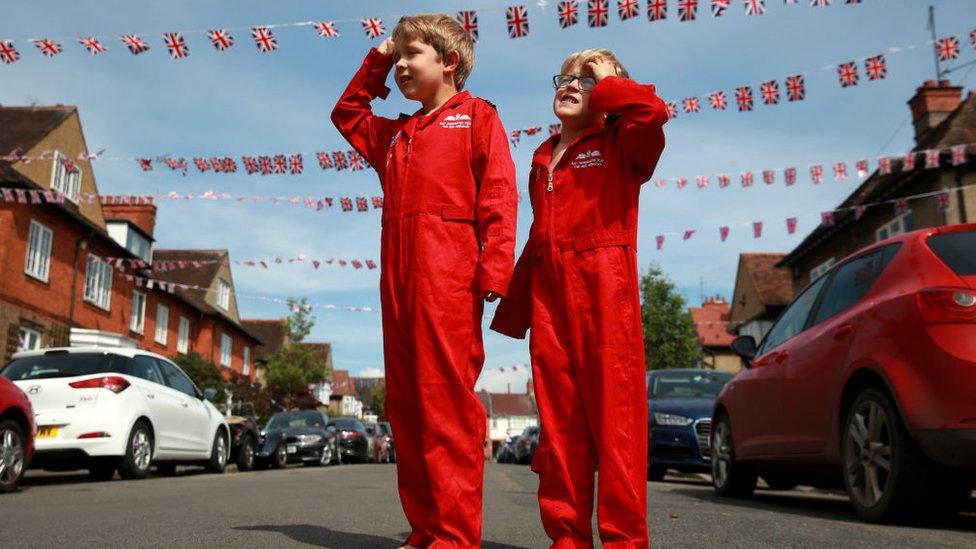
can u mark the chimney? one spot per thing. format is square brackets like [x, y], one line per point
[530, 387]
[140, 215]
[932, 104]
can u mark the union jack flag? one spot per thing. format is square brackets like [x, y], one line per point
[250, 165]
[92, 45]
[719, 7]
[555, 128]
[265, 163]
[514, 137]
[884, 165]
[972, 38]
[377, 204]
[362, 206]
[373, 27]
[821, 3]
[757, 229]
[689, 233]
[568, 13]
[875, 67]
[135, 44]
[280, 163]
[597, 12]
[862, 168]
[702, 181]
[723, 233]
[324, 161]
[145, 164]
[769, 177]
[723, 180]
[847, 73]
[628, 9]
[942, 200]
[958, 155]
[743, 96]
[518, 21]
[659, 240]
[49, 48]
[218, 166]
[356, 161]
[672, 109]
[657, 10]
[339, 160]
[691, 104]
[908, 162]
[295, 164]
[469, 20]
[791, 225]
[346, 204]
[816, 174]
[840, 171]
[681, 182]
[326, 29]
[264, 39]
[8, 52]
[931, 159]
[947, 48]
[176, 45]
[770, 92]
[789, 174]
[796, 89]
[901, 206]
[746, 178]
[687, 10]
[718, 100]
[229, 165]
[755, 7]
[201, 164]
[220, 38]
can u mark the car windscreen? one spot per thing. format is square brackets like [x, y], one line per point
[687, 384]
[295, 420]
[348, 424]
[59, 365]
[385, 427]
[957, 250]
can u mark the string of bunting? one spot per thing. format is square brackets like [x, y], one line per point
[164, 265]
[568, 14]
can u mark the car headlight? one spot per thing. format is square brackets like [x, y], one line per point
[671, 419]
[310, 438]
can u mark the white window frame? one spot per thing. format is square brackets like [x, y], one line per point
[226, 350]
[37, 264]
[28, 339]
[98, 282]
[247, 360]
[819, 270]
[223, 294]
[894, 227]
[162, 324]
[68, 184]
[183, 335]
[137, 322]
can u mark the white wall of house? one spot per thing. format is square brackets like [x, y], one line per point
[502, 427]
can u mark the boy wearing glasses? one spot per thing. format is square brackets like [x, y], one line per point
[447, 245]
[575, 286]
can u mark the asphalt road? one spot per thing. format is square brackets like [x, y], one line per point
[357, 506]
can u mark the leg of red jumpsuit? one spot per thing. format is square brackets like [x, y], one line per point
[565, 459]
[608, 326]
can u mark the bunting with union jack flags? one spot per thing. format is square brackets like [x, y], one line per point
[743, 96]
[135, 44]
[796, 89]
[568, 12]
[875, 67]
[687, 10]
[373, 27]
[719, 7]
[517, 19]
[755, 7]
[691, 104]
[597, 12]
[91, 44]
[847, 74]
[769, 92]
[220, 38]
[264, 39]
[326, 29]
[718, 100]
[947, 48]
[628, 9]
[657, 10]
[176, 45]
[8, 53]
[50, 48]
[469, 20]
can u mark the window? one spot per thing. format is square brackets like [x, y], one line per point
[65, 181]
[223, 294]
[138, 245]
[162, 323]
[851, 281]
[38, 262]
[901, 224]
[226, 344]
[247, 360]
[177, 379]
[28, 339]
[144, 367]
[821, 269]
[137, 322]
[794, 318]
[955, 249]
[98, 282]
[183, 337]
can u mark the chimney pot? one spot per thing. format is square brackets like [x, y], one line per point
[932, 104]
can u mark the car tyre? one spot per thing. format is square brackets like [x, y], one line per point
[217, 463]
[12, 455]
[779, 482]
[245, 454]
[279, 459]
[730, 478]
[138, 453]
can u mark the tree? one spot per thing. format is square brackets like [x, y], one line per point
[292, 367]
[204, 373]
[670, 339]
[378, 393]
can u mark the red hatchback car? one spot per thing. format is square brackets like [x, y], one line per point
[869, 378]
[16, 435]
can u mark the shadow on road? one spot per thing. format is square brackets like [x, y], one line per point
[320, 536]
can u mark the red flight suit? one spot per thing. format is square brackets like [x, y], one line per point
[575, 286]
[448, 234]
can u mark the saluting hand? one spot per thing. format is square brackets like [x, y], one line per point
[386, 48]
[601, 68]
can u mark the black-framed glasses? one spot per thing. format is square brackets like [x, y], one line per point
[586, 83]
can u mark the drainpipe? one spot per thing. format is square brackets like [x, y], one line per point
[961, 197]
[80, 245]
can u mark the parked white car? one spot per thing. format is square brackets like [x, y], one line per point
[116, 408]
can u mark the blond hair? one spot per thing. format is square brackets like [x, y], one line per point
[578, 60]
[443, 33]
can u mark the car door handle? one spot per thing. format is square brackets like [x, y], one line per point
[843, 332]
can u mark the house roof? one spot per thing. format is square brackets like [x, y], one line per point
[774, 284]
[711, 322]
[25, 127]
[271, 332]
[503, 404]
[342, 384]
[958, 128]
[322, 349]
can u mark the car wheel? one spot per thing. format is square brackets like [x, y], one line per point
[777, 481]
[656, 473]
[326, 455]
[280, 457]
[138, 453]
[245, 454]
[885, 474]
[338, 454]
[730, 478]
[11, 455]
[218, 454]
[166, 468]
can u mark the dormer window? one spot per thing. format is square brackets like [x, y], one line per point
[223, 294]
[66, 176]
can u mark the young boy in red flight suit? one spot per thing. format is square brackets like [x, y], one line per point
[447, 245]
[575, 286]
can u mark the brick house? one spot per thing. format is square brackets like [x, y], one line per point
[508, 414]
[942, 119]
[711, 325]
[66, 269]
[762, 290]
[344, 400]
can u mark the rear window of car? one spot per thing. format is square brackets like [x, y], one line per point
[354, 424]
[60, 365]
[956, 250]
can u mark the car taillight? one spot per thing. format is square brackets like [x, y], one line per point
[96, 434]
[946, 305]
[112, 383]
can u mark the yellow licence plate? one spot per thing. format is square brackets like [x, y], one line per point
[47, 432]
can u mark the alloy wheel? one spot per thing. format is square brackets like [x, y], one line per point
[11, 456]
[867, 455]
[141, 449]
[721, 453]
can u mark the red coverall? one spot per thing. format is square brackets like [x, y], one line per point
[575, 286]
[448, 235]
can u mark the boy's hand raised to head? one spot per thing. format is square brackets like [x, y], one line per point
[601, 68]
[387, 48]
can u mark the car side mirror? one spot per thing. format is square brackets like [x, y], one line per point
[745, 346]
[209, 393]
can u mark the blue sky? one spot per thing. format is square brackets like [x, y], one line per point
[245, 102]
